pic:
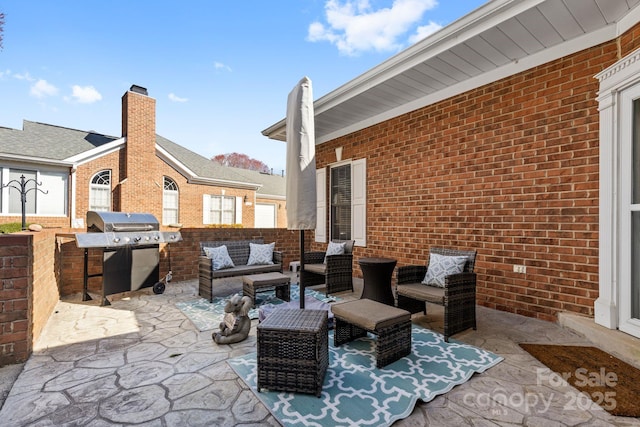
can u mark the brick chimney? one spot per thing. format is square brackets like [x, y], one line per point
[140, 190]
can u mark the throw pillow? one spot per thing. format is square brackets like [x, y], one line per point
[219, 257]
[441, 266]
[334, 249]
[261, 254]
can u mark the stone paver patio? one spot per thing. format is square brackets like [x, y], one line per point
[140, 361]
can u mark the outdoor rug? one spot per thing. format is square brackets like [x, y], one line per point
[607, 380]
[356, 393]
[207, 315]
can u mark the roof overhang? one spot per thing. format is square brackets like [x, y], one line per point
[36, 160]
[94, 153]
[499, 39]
[193, 178]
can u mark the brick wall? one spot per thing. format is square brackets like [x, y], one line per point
[85, 173]
[509, 169]
[15, 303]
[28, 291]
[46, 270]
[184, 255]
[139, 179]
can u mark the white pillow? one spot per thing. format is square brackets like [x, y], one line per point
[334, 249]
[261, 254]
[441, 266]
[219, 257]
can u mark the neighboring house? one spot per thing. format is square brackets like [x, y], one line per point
[513, 131]
[138, 172]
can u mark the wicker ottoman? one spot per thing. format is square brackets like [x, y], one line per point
[293, 351]
[391, 325]
[255, 283]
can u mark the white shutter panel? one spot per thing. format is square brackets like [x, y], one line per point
[206, 209]
[321, 205]
[239, 201]
[359, 202]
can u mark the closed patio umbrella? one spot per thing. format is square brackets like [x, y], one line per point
[301, 166]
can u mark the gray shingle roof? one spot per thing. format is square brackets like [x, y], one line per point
[52, 142]
[272, 185]
[49, 141]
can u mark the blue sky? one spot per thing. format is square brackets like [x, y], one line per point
[220, 71]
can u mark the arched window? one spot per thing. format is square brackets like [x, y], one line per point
[100, 191]
[170, 198]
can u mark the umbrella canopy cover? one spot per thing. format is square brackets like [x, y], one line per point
[301, 158]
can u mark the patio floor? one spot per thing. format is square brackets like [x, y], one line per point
[90, 362]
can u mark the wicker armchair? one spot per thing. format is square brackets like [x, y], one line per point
[458, 295]
[337, 273]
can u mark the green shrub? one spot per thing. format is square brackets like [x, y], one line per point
[11, 227]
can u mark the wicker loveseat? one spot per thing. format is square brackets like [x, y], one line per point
[336, 273]
[458, 296]
[239, 251]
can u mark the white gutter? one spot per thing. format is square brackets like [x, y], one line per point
[36, 160]
[87, 156]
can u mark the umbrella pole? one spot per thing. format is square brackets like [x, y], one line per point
[302, 284]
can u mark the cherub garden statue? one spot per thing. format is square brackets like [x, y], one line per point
[236, 324]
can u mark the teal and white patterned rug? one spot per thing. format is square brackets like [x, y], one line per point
[207, 315]
[356, 393]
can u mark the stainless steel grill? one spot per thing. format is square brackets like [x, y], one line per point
[130, 244]
[121, 229]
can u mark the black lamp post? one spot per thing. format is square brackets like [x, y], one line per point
[23, 190]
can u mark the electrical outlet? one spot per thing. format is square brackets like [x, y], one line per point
[518, 268]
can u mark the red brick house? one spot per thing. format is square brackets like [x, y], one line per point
[513, 131]
[138, 172]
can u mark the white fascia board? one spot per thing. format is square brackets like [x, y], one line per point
[174, 163]
[225, 183]
[515, 67]
[629, 20]
[30, 160]
[270, 196]
[482, 19]
[97, 152]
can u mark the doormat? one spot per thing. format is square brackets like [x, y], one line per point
[607, 380]
[357, 394]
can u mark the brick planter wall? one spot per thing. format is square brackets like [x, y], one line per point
[28, 291]
[184, 255]
[15, 305]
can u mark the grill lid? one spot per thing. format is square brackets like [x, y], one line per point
[103, 222]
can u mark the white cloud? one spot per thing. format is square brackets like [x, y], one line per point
[175, 98]
[220, 66]
[42, 89]
[25, 76]
[424, 31]
[354, 27]
[85, 95]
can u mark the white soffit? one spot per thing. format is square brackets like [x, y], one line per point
[499, 39]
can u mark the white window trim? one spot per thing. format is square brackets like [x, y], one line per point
[617, 78]
[46, 194]
[91, 184]
[321, 205]
[358, 201]
[166, 192]
[206, 209]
